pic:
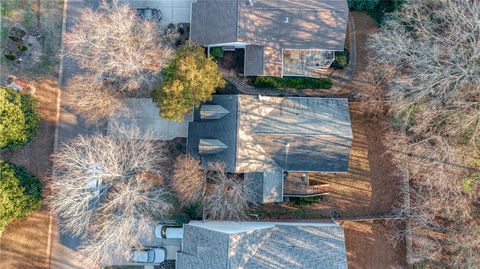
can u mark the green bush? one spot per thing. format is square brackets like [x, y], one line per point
[10, 57]
[19, 118]
[182, 218]
[304, 201]
[14, 38]
[190, 212]
[293, 82]
[22, 47]
[362, 5]
[470, 182]
[217, 53]
[375, 8]
[20, 193]
[342, 59]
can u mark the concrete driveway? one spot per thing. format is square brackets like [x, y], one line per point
[173, 11]
[144, 114]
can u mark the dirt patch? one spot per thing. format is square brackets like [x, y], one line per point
[368, 246]
[232, 61]
[363, 76]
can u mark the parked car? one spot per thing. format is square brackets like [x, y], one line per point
[148, 256]
[149, 14]
[168, 231]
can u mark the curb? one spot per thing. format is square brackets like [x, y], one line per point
[60, 75]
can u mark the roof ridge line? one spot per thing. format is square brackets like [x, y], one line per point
[269, 235]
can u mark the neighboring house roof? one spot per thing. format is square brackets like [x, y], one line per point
[274, 25]
[248, 245]
[267, 134]
[214, 21]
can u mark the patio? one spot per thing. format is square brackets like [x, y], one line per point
[305, 62]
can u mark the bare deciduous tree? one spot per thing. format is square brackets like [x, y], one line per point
[428, 58]
[113, 43]
[91, 99]
[431, 52]
[226, 196]
[188, 180]
[108, 191]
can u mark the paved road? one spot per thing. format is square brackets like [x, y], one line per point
[69, 126]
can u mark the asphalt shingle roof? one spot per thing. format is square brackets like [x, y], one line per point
[281, 246]
[214, 22]
[272, 24]
[266, 134]
[223, 129]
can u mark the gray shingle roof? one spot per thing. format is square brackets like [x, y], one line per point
[266, 134]
[265, 187]
[214, 22]
[253, 60]
[273, 24]
[280, 246]
[198, 250]
[223, 129]
[311, 24]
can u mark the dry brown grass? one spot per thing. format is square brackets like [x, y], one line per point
[24, 243]
[368, 246]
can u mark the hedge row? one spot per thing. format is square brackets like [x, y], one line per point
[293, 82]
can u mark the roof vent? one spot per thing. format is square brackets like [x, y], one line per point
[211, 146]
[286, 20]
[250, 2]
[212, 112]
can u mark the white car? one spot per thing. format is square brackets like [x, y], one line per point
[168, 231]
[148, 256]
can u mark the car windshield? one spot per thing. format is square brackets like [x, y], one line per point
[151, 255]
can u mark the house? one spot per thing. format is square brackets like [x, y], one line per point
[259, 245]
[279, 37]
[263, 137]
